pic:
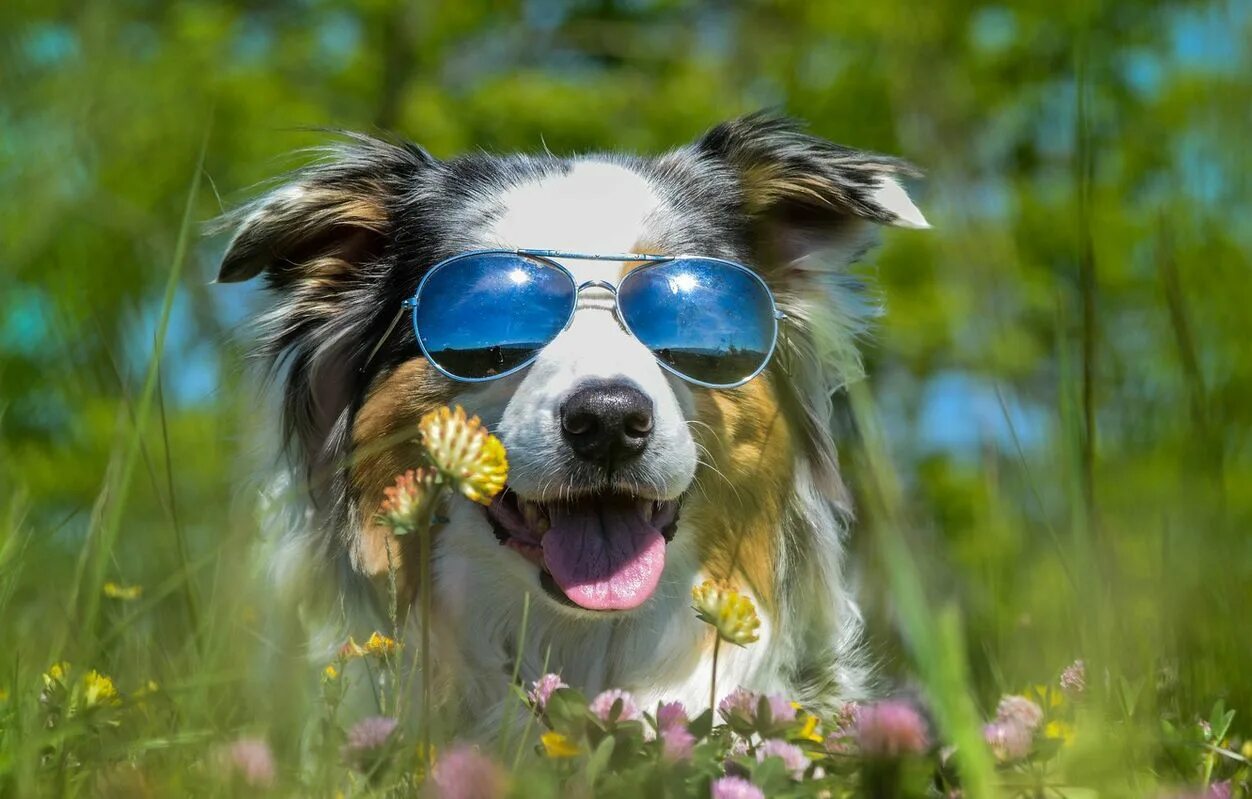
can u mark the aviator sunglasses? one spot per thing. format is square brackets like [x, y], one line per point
[486, 314]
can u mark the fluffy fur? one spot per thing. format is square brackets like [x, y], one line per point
[344, 241]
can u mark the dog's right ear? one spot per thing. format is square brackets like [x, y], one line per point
[328, 217]
[322, 242]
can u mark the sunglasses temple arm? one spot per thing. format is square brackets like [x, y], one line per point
[391, 328]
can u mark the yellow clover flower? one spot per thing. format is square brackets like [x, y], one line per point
[557, 745]
[380, 645]
[126, 593]
[1059, 730]
[728, 611]
[377, 645]
[468, 456]
[808, 731]
[57, 673]
[330, 673]
[99, 690]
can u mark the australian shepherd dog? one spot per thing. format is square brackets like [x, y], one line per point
[634, 474]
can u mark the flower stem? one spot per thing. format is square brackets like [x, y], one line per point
[426, 676]
[426, 534]
[717, 645]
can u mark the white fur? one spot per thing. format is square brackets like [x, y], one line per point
[659, 650]
[892, 196]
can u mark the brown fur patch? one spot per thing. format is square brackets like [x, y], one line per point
[630, 266]
[384, 444]
[745, 475]
[767, 182]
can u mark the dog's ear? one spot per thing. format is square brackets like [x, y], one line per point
[805, 194]
[326, 218]
[324, 242]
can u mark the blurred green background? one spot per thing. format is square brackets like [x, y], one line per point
[1063, 376]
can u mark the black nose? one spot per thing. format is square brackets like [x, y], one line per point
[607, 423]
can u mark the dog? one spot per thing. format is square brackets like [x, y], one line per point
[735, 483]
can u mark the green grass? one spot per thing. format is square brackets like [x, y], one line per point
[1081, 493]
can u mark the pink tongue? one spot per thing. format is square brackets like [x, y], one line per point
[605, 556]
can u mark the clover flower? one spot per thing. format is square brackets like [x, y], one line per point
[735, 788]
[792, 756]
[249, 760]
[1019, 710]
[368, 741]
[782, 711]
[541, 690]
[1216, 790]
[808, 729]
[557, 745]
[602, 706]
[1221, 790]
[742, 708]
[1009, 740]
[671, 714]
[890, 729]
[404, 507]
[1074, 678]
[469, 457]
[380, 645]
[99, 691]
[377, 644]
[57, 673]
[840, 740]
[1058, 730]
[465, 773]
[728, 611]
[126, 593]
[677, 743]
[739, 706]
[351, 650]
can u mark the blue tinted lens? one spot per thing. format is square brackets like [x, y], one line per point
[708, 320]
[482, 316]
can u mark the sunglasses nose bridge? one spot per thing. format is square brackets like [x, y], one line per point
[598, 284]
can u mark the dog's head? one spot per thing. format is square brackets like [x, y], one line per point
[607, 449]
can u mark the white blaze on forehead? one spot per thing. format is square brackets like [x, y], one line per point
[597, 207]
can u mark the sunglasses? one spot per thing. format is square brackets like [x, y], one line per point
[486, 314]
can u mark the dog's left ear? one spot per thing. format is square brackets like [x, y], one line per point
[801, 195]
[806, 194]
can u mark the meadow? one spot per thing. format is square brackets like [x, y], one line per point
[1050, 449]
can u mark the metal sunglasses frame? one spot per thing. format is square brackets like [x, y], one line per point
[546, 257]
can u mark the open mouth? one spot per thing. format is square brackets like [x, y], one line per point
[599, 552]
